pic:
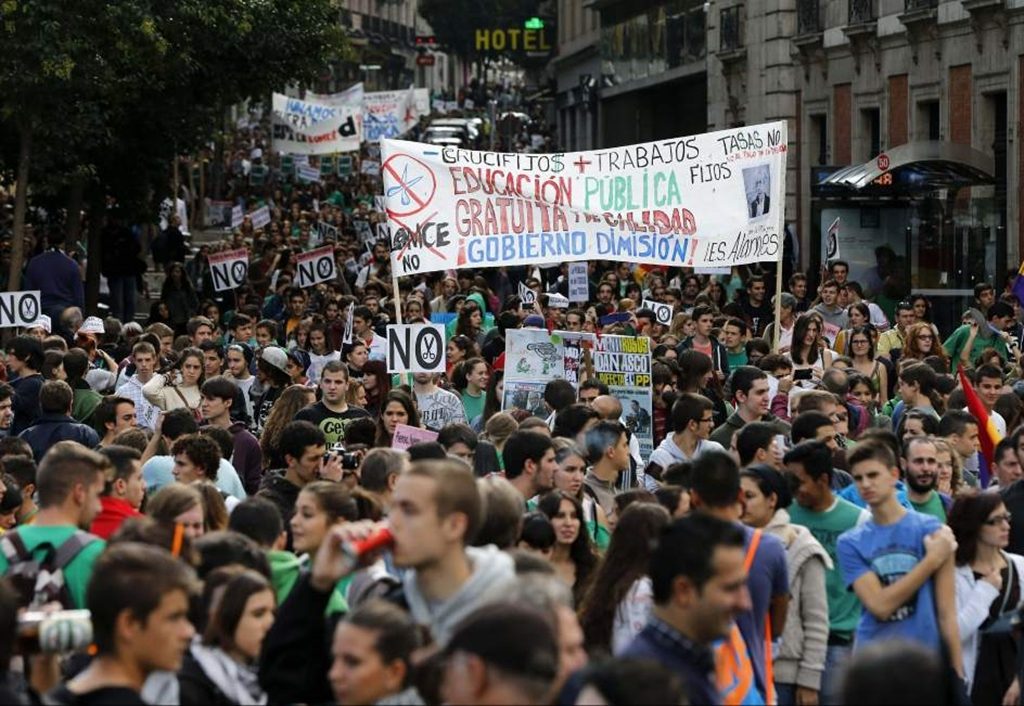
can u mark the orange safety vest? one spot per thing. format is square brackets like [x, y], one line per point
[734, 672]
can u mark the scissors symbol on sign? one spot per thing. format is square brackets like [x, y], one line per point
[404, 186]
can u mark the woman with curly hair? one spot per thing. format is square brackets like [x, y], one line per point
[573, 555]
[292, 399]
[922, 340]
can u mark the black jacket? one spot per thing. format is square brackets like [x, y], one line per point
[283, 493]
[195, 688]
[297, 649]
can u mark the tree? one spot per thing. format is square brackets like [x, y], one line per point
[104, 96]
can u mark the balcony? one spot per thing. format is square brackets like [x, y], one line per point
[919, 17]
[862, 12]
[730, 38]
[654, 42]
[808, 17]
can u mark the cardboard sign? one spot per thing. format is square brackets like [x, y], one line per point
[662, 312]
[260, 217]
[349, 310]
[579, 283]
[405, 436]
[19, 308]
[237, 216]
[557, 301]
[416, 348]
[229, 269]
[308, 174]
[527, 295]
[315, 266]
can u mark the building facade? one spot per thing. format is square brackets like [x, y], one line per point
[577, 72]
[937, 86]
[384, 55]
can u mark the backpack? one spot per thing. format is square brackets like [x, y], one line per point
[39, 581]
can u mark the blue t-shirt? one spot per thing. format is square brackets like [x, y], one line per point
[768, 577]
[159, 471]
[852, 495]
[891, 551]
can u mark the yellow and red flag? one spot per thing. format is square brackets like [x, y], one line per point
[988, 435]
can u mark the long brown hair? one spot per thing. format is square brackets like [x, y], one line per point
[292, 399]
[624, 563]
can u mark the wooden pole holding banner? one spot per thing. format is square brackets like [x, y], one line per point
[397, 299]
[782, 250]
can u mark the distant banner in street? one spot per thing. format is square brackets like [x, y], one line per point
[623, 363]
[304, 127]
[705, 200]
[19, 308]
[390, 114]
[416, 348]
[315, 266]
[229, 269]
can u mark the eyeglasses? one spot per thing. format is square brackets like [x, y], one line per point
[994, 521]
[925, 337]
[708, 420]
[859, 342]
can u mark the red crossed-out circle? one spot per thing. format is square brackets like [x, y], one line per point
[402, 169]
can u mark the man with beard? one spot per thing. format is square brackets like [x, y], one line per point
[922, 471]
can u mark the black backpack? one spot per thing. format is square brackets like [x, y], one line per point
[39, 581]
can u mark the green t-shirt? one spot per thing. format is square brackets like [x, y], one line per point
[473, 404]
[933, 506]
[954, 345]
[843, 604]
[78, 572]
[736, 359]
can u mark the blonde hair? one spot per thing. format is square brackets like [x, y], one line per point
[499, 427]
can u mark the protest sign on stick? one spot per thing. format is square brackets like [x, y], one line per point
[229, 269]
[416, 348]
[579, 283]
[662, 312]
[19, 308]
[315, 266]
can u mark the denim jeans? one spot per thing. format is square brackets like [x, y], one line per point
[836, 657]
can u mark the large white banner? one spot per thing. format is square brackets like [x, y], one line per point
[389, 114]
[714, 199]
[304, 127]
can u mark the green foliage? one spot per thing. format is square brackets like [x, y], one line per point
[113, 90]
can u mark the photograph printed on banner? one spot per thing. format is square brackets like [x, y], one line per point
[637, 415]
[758, 184]
[520, 394]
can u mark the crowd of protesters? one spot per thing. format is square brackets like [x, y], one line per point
[820, 521]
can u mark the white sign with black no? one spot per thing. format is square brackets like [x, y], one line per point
[416, 348]
[315, 266]
[662, 312]
[229, 269]
[19, 308]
